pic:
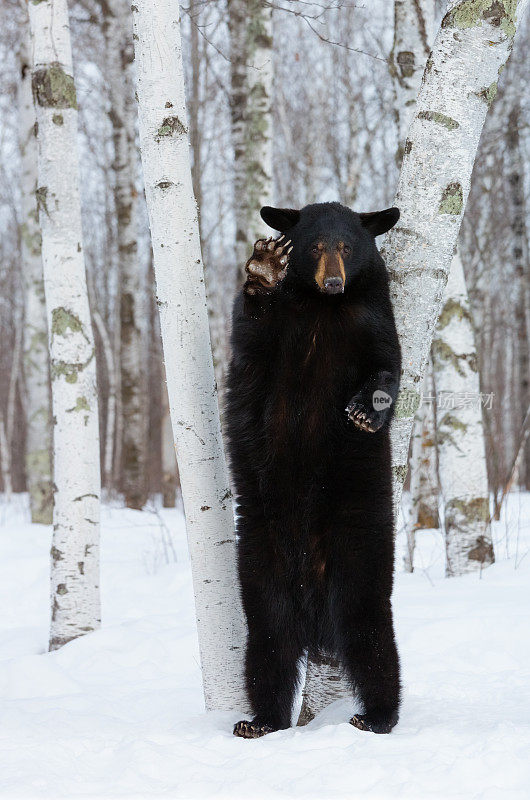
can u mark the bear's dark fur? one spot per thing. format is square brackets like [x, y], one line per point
[310, 457]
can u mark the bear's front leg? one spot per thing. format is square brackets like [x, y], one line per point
[267, 266]
[373, 404]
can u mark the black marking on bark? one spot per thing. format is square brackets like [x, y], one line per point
[483, 551]
[170, 126]
[41, 194]
[442, 119]
[53, 88]
[56, 554]
[452, 200]
[406, 63]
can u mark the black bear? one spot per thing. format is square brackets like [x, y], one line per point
[312, 384]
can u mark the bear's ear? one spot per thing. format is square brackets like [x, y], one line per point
[378, 222]
[281, 219]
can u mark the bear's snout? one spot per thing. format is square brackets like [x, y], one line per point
[333, 285]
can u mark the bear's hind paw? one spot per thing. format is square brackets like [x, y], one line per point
[375, 723]
[251, 730]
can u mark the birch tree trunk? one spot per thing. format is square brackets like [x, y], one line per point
[472, 46]
[460, 433]
[133, 373]
[413, 31]
[35, 335]
[75, 596]
[520, 267]
[237, 26]
[424, 473]
[324, 684]
[169, 461]
[110, 428]
[5, 460]
[250, 24]
[186, 341]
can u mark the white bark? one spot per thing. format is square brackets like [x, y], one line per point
[424, 473]
[251, 52]
[5, 460]
[258, 151]
[169, 461]
[133, 374]
[460, 433]
[325, 682]
[472, 46]
[520, 265]
[75, 548]
[35, 333]
[237, 26]
[413, 32]
[186, 341]
[110, 429]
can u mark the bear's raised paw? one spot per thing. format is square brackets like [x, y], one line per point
[267, 266]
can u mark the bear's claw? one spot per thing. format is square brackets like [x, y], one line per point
[250, 730]
[364, 722]
[267, 266]
[364, 419]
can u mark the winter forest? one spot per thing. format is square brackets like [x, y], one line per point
[138, 144]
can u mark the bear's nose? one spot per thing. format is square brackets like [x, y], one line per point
[333, 285]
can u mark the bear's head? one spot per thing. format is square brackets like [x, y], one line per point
[332, 245]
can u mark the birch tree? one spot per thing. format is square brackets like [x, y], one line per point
[250, 25]
[424, 472]
[35, 336]
[413, 31]
[75, 596]
[471, 48]
[186, 342]
[460, 434]
[520, 267]
[119, 53]
[169, 464]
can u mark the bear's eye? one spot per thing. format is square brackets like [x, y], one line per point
[315, 250]
[347, 249]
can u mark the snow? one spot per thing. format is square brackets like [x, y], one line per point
[119, 713]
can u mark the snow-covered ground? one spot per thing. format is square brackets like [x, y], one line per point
[119, 712]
